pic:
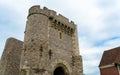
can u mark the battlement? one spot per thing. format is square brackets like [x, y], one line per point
[52, 15]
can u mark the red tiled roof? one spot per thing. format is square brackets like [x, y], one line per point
[110, 56]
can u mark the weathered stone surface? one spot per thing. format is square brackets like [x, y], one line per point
[50, 44]
[50, 47]
[10, 60]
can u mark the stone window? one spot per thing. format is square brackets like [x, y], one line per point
[59, 23]
[41, 50]
[60, 35]
[50, 54]
[55, 21]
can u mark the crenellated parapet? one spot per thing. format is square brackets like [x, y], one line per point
[58, 21]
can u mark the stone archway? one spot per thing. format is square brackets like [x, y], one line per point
[60, 70]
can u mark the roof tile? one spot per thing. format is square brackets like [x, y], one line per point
[110, 56]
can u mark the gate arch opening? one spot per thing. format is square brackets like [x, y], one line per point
[59, 71]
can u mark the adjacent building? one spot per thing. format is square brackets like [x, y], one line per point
[110, 62]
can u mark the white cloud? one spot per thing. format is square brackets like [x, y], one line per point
[92, 54]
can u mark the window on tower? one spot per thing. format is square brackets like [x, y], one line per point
[41, 50]
[50, 54]
[60, 34]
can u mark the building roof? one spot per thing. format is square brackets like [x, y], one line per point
[110, 56]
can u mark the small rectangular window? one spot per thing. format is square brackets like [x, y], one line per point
[60, 34]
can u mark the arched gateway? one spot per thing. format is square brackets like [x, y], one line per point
[61, 69]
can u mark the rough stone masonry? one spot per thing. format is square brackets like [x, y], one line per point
[50, 47]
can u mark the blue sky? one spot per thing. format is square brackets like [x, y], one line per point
[98, 24]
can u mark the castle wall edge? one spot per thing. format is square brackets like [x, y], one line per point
[10, 60]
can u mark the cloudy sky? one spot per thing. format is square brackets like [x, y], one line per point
[98, 24]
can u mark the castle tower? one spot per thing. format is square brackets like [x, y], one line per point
[50, 45]
[10, 60]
